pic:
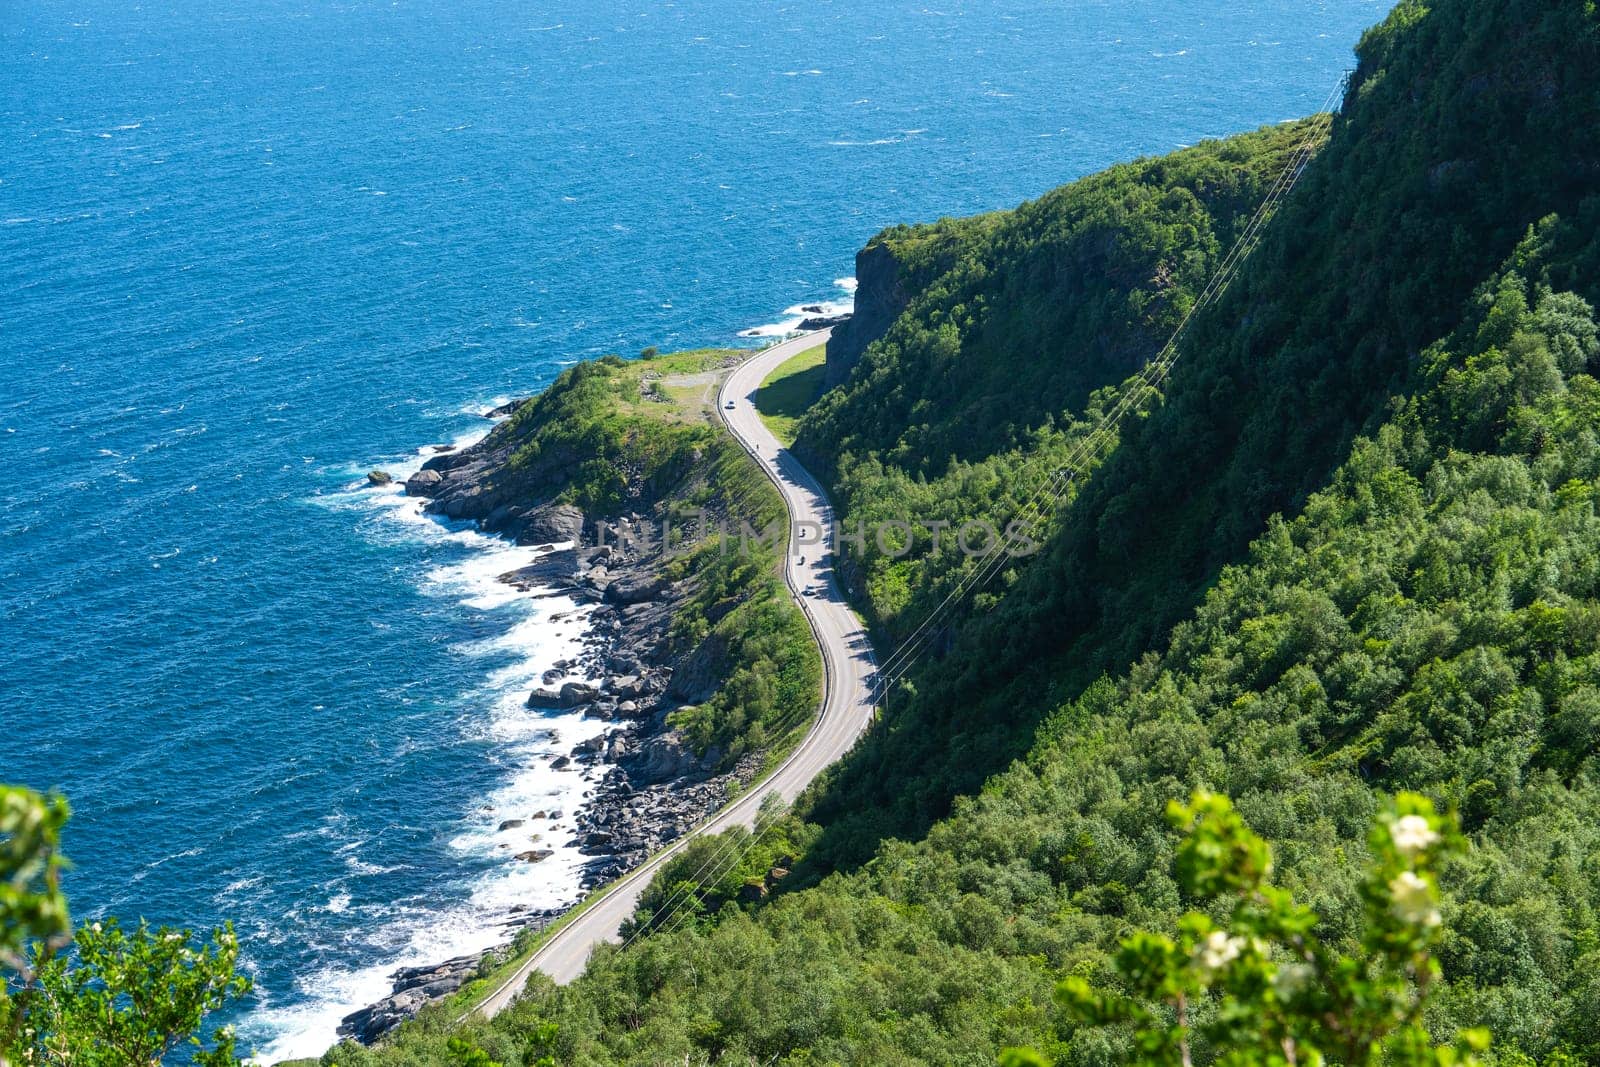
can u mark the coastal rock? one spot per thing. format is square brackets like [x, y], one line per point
[880, 298]
[823, 322]
[510, 824]
[413, 988]
[544, 698]
[379, 477]
[535, 855]
[627, 687]
[551, 522]
[601, 871]
[424, 483]
[635, 589]
[372, 1022]
[505, 409]
[698, 676]
[666, 758]
[543, 575]
[575, 693]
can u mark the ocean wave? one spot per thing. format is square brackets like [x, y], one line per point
[794, 315]
[531, 633]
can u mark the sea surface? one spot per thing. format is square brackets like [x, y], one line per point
[251, 249]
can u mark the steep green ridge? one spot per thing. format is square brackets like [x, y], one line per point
[1354, 549]
[985, 382]
[1464, 123]
[1024, 312]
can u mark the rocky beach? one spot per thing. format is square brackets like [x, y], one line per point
[654, 788]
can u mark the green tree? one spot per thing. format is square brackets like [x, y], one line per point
[33, 910]
[120, 998]
[1261, 988]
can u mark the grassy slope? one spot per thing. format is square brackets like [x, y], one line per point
[789, 390]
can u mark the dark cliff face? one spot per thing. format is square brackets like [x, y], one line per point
[880, 298]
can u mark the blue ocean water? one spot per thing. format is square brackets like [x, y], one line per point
[250, 249]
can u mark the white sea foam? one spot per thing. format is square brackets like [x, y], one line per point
[798, 313]
[525, 740]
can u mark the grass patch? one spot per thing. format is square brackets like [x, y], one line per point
[789, 390]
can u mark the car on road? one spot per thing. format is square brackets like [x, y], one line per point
[729, 405]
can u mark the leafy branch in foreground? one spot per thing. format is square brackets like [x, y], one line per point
[120, 998]
[1261, 988]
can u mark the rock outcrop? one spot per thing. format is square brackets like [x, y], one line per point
[413, 988]
[880, 298]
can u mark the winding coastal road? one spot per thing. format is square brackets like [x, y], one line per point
[847, 672]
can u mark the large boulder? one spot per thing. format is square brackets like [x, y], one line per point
[544, 698]
[635, 589]
[700, 674]
[627, 687]
[551, 523]
[424, 483]
[666, 758]
[576, 693]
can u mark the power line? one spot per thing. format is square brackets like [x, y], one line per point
[726, 855]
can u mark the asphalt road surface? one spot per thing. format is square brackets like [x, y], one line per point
[847, 660]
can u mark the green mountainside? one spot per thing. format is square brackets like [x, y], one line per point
[1464, 124]
[1353, 549]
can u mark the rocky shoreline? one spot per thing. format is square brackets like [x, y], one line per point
[657, 788]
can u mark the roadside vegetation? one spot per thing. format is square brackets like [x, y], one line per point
[789, 390]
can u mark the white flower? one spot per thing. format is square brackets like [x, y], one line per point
[95, 927]
[1411, 899]
[1411, 834]
[1290, 978]
[1218, 950]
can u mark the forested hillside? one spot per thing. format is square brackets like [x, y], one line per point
[1353, 549]
[1431, 621]
[1465, 123]
[1014, 320]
